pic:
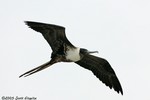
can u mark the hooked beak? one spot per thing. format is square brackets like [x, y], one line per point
[92, 51]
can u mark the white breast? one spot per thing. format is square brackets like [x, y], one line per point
[73, 54]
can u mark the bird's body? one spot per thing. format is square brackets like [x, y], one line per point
[64, 51]
[73, 55]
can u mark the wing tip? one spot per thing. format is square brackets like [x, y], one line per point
[41, 23]
[116, 85]
[28, 23]
[120, 91]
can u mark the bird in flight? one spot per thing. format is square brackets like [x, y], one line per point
[64, 51]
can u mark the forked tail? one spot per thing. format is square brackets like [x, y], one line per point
[37, 69]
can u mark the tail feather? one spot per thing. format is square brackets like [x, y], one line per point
[37, 69]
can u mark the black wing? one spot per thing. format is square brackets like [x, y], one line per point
[55, 35]
[102, 69]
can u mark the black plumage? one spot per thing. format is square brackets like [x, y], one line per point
[64, 51]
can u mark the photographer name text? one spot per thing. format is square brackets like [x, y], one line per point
[18, 98]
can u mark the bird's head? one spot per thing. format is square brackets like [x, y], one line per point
[86, 52]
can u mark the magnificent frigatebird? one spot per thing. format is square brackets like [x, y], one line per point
[64, 51]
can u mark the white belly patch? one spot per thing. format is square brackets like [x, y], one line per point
[73, 54]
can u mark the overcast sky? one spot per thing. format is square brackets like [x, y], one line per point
[118, 29]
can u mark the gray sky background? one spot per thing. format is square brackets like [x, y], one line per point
[118, 29]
